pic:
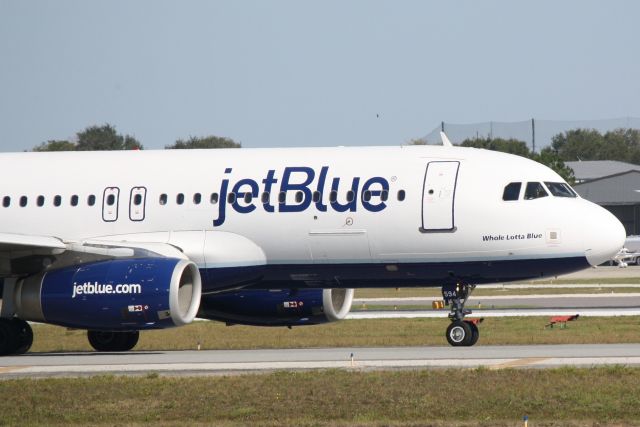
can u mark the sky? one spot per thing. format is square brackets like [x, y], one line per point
[301, 73]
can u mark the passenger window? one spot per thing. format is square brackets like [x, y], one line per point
[111, 199]
[197, 198]
[384, 196]
[214, 198]
[316, 196]
[231, 198]
[401, 195]
[163, 199]
[299, 196]
[137, 199]
[40, 201]
[180, 198]
[91, 200]
[6, 201]
[534, 190]
[248, 197]
[366, 196]
[560, 189]
[282, 197]
[333, 196]
[23, 201]
[265, 197]
[74, 200]
[350, 196]
[57, 200]
[512, 191]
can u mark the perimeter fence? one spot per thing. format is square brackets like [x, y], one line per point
[535, 132]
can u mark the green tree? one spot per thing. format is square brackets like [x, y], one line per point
[511, 146]
[100, 138]
[589, 144]
[579, 144]
[204, 142]
[550, 158]
[93, 138]
[56, 145]
[417, 141]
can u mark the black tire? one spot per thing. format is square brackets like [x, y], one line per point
[24, 335]
[8, 339]
[475, 333]
[112, 341]
[459, 333]
[132, 340]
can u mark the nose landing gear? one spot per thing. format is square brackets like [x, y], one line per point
[460, 332]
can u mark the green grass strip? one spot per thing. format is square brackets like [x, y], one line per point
[357, 333]
[479, 397]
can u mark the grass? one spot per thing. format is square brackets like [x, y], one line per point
[356, 333]
[478, 397]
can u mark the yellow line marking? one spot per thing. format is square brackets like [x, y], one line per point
[5, 369]
[520, 362]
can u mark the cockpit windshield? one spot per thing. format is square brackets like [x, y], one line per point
[534, 190]
[560, 189]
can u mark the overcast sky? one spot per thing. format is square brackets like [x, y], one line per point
[301, 73]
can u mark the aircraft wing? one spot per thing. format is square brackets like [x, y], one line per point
[23, 254]
[23, 243]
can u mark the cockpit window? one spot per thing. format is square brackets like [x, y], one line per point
[534, 190]
[560, 189]
[512, 191]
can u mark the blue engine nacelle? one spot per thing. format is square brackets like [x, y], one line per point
[117, 294]
[290, 307]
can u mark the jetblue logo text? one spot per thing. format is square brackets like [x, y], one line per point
[95, 288]
[303, 182]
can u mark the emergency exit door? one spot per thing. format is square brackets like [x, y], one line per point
[438, 196]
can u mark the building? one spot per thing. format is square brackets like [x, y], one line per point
[594, 169]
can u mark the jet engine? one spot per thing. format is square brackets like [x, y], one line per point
[290, 307]
[113, 295]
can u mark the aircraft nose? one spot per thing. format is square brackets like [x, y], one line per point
[604, 236]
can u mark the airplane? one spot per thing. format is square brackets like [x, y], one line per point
[121, 242]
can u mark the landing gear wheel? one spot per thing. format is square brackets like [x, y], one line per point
[132, 339]
[24, 335]
[8, 338]
[459, 333]
[113, 341]
[475, 333]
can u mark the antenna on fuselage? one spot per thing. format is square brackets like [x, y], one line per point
[445, 140]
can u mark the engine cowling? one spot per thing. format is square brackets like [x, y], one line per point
[117, 294]
[290, 307]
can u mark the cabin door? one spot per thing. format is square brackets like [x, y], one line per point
[438, 196]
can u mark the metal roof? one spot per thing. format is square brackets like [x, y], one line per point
[619, 189]
[592, 169]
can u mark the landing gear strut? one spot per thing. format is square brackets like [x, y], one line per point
[16, 336]
[460, 332]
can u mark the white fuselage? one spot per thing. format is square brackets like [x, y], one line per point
[307, 235]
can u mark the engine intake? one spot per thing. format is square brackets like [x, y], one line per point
[131, 294]
[290, 307]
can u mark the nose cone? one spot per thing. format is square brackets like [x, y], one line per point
[604, 236]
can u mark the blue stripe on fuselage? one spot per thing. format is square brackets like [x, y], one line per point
[386, 275]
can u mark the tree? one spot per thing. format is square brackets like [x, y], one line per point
[100, 138]
[550, 158]
[93, 138]
[204, 142]
[511, 146]
[589, 144]
[56, 145]
[418, 141]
